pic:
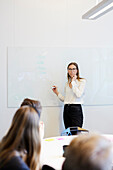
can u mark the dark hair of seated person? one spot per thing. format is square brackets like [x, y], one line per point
[33, 103]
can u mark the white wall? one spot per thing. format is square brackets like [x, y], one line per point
[52, 23]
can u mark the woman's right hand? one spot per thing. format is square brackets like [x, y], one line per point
[55, 90]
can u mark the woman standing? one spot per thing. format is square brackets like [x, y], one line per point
[73, 99]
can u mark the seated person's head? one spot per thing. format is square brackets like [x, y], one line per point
[33, 103]
[22, 138]
[88, 152]
[37, 106]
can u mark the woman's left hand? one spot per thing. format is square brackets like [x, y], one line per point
[74, 78]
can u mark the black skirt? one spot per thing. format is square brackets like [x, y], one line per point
[73, 115]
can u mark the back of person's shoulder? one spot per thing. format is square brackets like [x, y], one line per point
[15, 163]
[21, 164]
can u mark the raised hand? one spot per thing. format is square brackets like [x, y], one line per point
[54, 88]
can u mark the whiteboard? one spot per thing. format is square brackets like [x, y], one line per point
[32, 71]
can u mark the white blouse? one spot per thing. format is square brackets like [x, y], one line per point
[74, 95]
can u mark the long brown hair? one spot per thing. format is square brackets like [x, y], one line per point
[22, 135]
[76, 65]
[33, 103]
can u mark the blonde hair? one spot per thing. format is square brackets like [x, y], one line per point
[23, 135]
[88, 152]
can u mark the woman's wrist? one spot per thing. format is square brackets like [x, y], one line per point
[57, 93]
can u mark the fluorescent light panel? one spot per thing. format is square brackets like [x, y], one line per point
[100, 9]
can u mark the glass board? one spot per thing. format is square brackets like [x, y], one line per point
[32, 71]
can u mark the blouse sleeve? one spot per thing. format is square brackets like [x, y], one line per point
[79, 88]
[60, 96]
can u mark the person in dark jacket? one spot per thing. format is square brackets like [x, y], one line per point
[20, 147]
